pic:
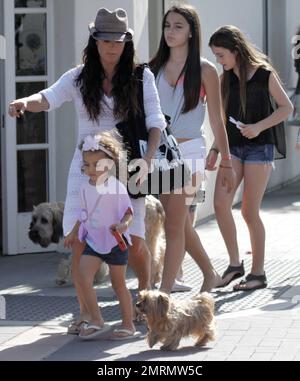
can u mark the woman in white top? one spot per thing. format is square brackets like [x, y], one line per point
[103, 89]
[186, 84]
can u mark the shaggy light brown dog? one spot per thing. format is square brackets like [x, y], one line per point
[46, 223]
[169, 321]
[46, 228]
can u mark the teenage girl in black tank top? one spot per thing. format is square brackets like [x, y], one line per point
[248, 84]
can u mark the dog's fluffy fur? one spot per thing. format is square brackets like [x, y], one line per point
[64, 274]
[155, 236]
[46, 228]
[46, 223]
[169, 320]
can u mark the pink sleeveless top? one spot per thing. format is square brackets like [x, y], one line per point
[101, 207]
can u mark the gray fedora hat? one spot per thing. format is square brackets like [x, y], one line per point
[111, 26]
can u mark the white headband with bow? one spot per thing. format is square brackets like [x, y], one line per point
[93, 143]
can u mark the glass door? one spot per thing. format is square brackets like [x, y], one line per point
[30, 177]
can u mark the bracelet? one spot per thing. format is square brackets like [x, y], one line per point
[226, 158]
[214, 149]
[126, 223]
[224, 166]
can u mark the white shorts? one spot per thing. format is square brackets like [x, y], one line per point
[194, 152]
[137, 226]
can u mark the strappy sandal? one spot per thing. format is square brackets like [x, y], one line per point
[238, 270]
[124, 334]
[242, 286]
[94, 331]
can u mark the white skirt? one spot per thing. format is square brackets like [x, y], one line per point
[194, 153]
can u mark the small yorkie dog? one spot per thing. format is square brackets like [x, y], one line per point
[169, 321]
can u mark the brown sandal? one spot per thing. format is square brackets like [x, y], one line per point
[238, 270]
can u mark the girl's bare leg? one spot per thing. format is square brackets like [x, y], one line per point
[118, 281]
[194, 247]
[88, 267]
[223, 208]
[140, 261]
[176, 213]
[256, 177]
[77, 250]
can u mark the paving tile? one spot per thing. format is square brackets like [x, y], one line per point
[261, 356]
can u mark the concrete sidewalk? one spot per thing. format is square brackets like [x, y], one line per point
[262, 325]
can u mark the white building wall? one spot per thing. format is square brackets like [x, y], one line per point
[283, 21]
[293, 25]
[65, 119]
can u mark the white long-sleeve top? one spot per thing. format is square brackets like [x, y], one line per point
[65, 90]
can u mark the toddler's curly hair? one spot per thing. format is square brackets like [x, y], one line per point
[112, 141]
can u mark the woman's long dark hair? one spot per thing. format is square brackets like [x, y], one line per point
[124, 84]
[192, 67]
[231, 38]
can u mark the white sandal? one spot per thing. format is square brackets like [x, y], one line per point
[126, 334]
[97, 331]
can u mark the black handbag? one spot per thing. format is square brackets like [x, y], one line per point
[169, 171]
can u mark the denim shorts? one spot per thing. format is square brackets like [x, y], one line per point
[256, 154]
[116, 257]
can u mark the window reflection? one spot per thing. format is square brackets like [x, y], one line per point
[32, 179]
[30, 42]
[30, 3]
[32, 127]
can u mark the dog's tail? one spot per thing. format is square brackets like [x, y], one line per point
[206, 298]
[160, 212]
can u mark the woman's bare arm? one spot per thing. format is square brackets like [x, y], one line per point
[33, 103]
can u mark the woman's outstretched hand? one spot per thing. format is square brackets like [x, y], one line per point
[17, 108]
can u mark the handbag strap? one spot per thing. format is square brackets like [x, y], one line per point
[89, 214]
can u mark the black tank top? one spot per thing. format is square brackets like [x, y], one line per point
[258, 107]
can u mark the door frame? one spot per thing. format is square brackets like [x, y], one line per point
[15, 225]
[2, 115]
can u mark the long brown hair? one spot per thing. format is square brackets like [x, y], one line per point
[231, 38]
[192, 67]
[124, 83]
